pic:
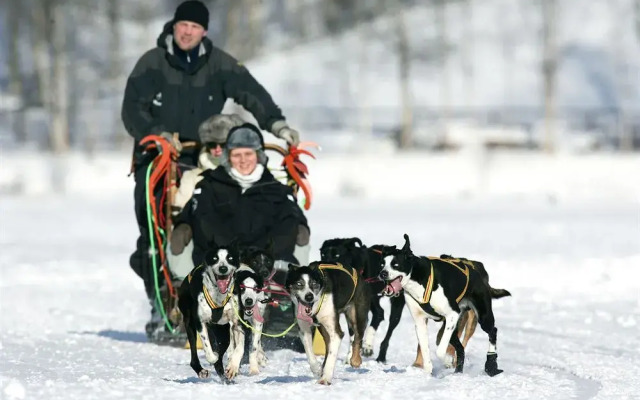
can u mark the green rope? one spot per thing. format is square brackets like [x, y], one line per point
[150, 217]
[276, 335]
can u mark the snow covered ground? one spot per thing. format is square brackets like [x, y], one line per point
[72, 312]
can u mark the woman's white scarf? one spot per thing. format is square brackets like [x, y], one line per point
[246, 181]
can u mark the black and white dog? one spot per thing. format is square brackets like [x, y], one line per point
[367, 260]
[321, 292]
[251, 300]
[205, 301]
[438, 289]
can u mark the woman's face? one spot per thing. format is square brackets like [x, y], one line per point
[244, 160]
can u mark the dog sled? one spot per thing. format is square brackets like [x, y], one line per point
[169, 270]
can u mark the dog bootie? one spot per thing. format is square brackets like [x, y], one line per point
[491, 366]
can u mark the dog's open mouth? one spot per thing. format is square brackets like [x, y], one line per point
[393, 287]
[223, 282]
[304, 312]
[253, 312]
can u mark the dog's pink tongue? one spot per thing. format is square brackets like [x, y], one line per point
[256, 313]
[302, 314]
[394, 287]
[223, 285]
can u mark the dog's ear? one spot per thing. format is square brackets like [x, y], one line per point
[260, 280]
[293, 267]
[355, 241]
[407, 244]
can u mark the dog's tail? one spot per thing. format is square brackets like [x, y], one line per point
[498, 293]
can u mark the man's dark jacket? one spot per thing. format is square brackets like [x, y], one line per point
[219, 212]
[170, 90]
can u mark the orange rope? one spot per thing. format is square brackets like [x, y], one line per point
[161, 167]
[298, 171]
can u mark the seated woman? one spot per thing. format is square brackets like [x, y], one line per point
[243, 201]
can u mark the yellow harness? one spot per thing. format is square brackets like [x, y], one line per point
[207, 296]
[429, 287]
[337, 266]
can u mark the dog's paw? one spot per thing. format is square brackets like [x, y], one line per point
[254, 370]
[226, 381]
[367, 351]
[428, 368]
[356, 361]
[204, 374]
[324, 381]
[316, 370]
[491, 366]
[349, 355]
[231, 371]
[449, 361]
[212, 357]
[262, 359]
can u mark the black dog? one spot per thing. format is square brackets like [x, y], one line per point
[367, 260]
[321, 292]
[205, 301]
[260, 260]
[440, 289]
[468, 319]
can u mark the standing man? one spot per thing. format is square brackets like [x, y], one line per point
[173, 88]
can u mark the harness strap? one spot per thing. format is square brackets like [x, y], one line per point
[189, 277]
[212, 303]
[429, 286]
[271, 335]
[337, 266]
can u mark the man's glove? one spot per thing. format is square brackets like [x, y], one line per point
[180, 237]
[281, 130]
[175, 143]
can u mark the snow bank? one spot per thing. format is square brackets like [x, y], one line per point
[384, 176]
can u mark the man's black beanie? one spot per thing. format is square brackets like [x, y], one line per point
[194, 11]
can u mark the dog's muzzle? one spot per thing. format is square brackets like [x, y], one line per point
[253, 312]
[393, 287]
[304, 310]
[223, 282]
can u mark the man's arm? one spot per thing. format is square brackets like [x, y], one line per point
[138, 97]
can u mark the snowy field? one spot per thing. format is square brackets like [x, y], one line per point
[72, 312]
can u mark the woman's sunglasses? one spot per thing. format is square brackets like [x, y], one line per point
[213, 145]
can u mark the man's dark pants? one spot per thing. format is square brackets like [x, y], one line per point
[141, 260]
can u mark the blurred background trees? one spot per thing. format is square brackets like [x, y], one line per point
[410, 71]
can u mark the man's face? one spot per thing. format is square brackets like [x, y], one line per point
[188, 34]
